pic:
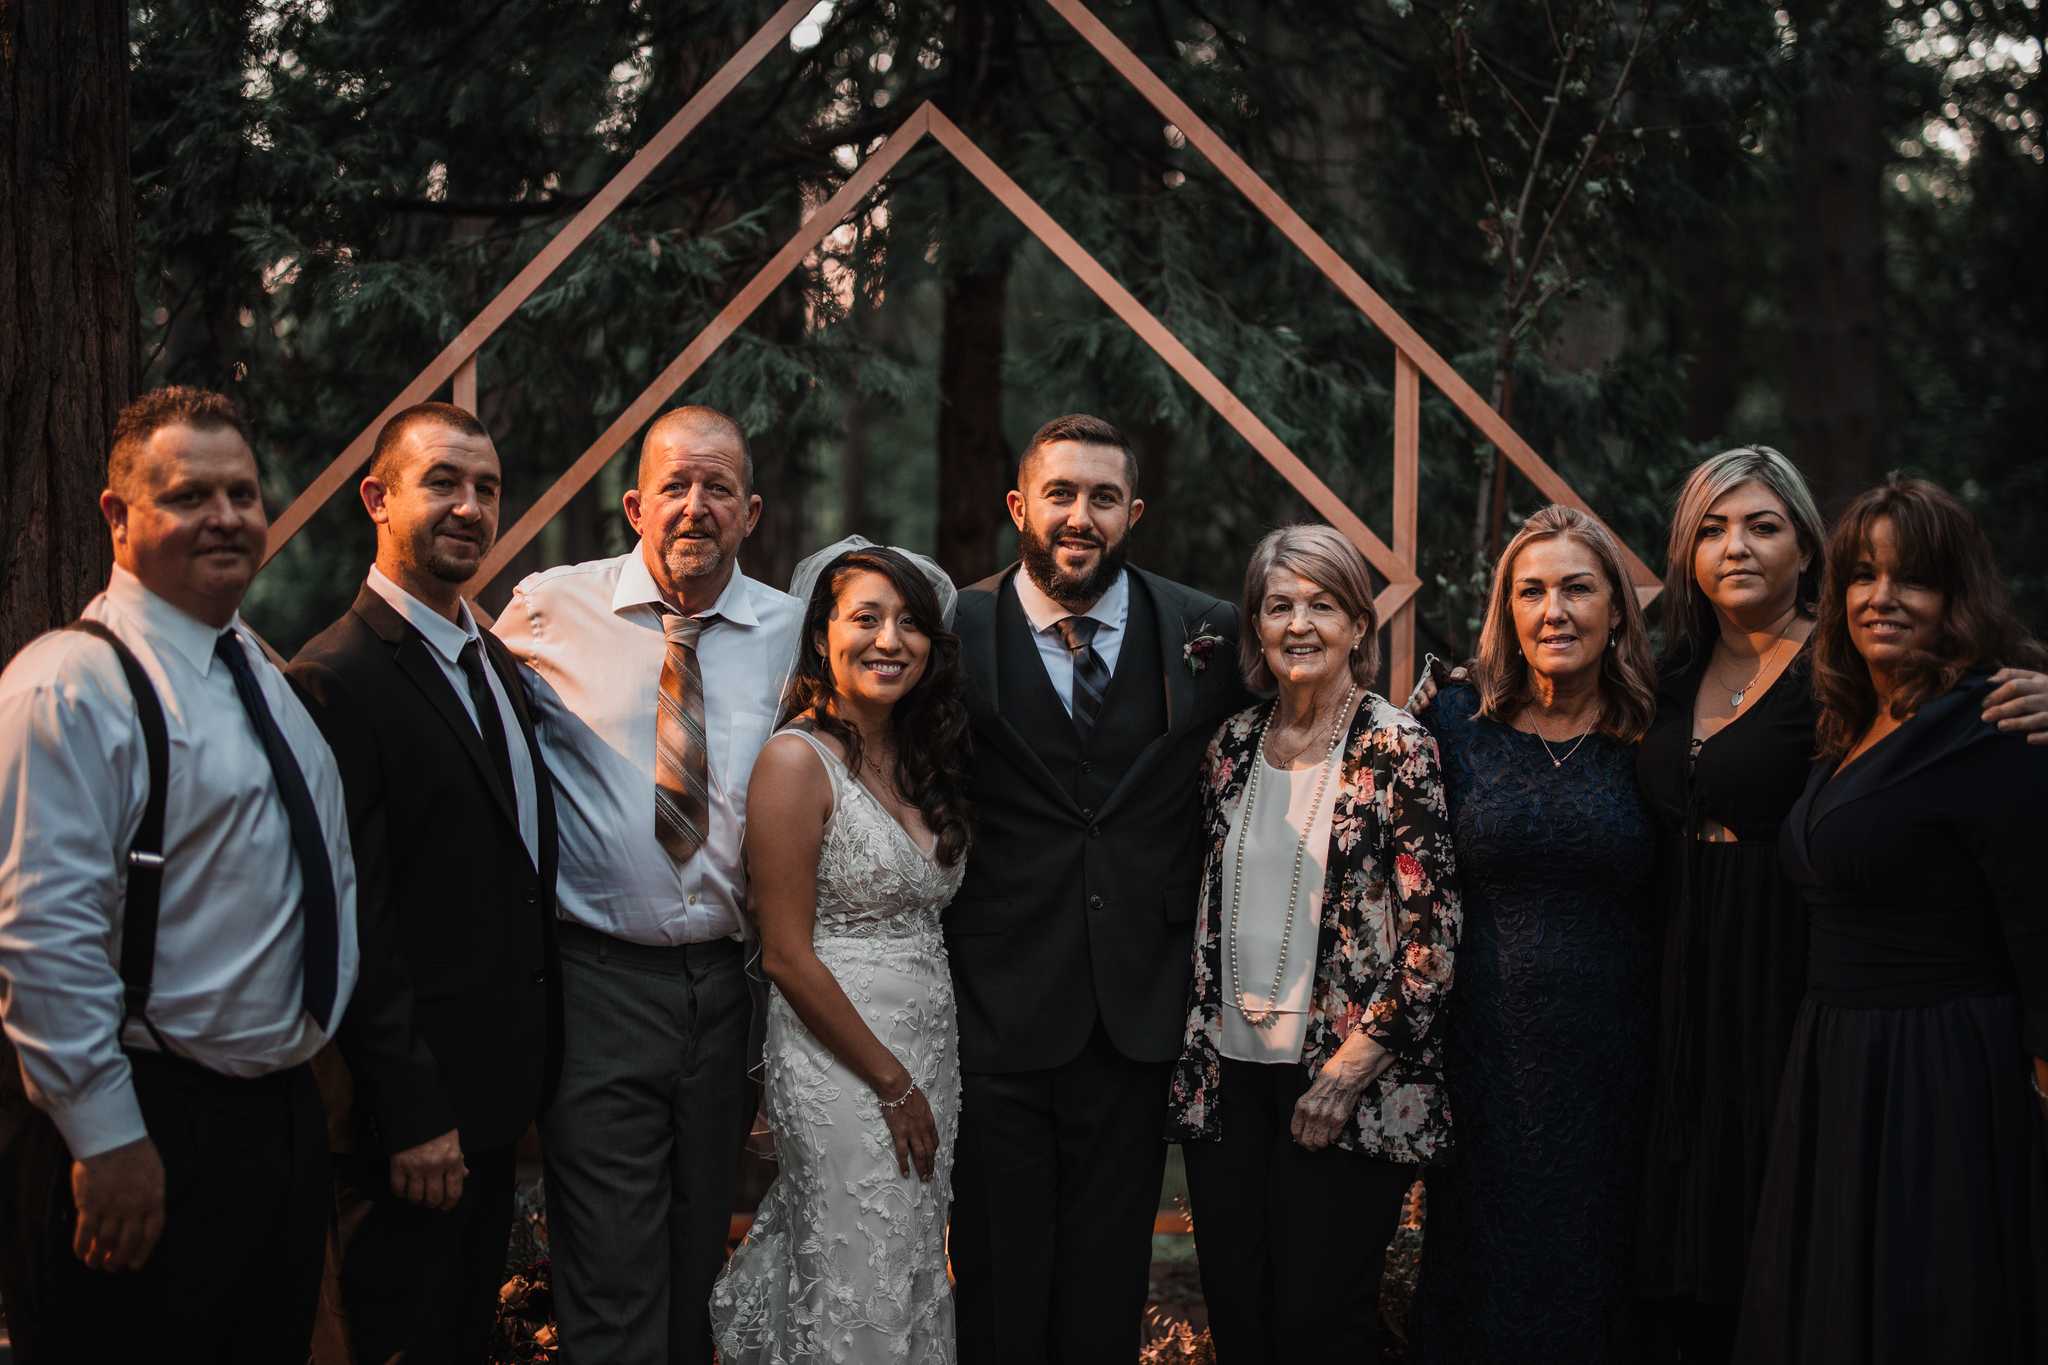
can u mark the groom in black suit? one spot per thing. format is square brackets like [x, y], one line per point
[454, 1035]
[1093, 691]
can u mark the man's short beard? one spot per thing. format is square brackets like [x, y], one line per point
[445, 567]
[692, 558]
[1074, 590]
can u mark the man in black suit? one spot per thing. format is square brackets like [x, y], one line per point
[454, 1036]
[1093, 691]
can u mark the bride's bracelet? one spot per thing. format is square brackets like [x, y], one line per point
[901, 1099]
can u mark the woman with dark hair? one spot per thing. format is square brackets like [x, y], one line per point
[1309, 1089]
[857, 838]
[1525, 1255]
[1904, 1210]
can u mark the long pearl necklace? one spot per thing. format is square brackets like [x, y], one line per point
[1263, 1018]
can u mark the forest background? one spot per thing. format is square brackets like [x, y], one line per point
[1646, 231]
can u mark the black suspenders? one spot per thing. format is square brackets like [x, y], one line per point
[146, 855]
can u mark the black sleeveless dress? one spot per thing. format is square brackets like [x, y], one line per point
[1732, 971]
[1527, 1228]
[1904, 1213]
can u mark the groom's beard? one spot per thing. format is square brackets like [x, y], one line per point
[1068, 589]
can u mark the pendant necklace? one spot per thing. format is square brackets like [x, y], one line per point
[1555, 761]
[1261, 1018]
[1735, 697]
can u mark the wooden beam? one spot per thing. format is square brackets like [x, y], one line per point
[462, 392]
[1407, 504]
[1155, 334]
[814, 230]
[587, 220]
[1334, 267]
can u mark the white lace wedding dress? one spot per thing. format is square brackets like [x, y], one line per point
[846, 1261]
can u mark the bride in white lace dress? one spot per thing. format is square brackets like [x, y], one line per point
[856, 840]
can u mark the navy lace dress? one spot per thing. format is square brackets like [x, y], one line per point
[1547, 1055]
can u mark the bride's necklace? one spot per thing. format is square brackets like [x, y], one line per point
[1735, 697]
[1264, 1017]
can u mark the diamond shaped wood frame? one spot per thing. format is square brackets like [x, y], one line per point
[1414, 358]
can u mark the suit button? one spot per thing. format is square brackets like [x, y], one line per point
[1095, 902]
[1087, 812]
[1087, 767]
[1095, 831]
[540, 977]
[533, 898]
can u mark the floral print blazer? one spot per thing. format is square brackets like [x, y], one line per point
[1389, 927]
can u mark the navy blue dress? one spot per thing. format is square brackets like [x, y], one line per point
[1527, 1233]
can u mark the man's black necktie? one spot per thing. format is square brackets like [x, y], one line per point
[1091, 678]
[488, 722]
[317, 912]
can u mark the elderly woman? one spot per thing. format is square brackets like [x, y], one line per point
[1525, 1247]
[1904, 1210]
[1309, 1091]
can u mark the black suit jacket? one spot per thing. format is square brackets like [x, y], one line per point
[456, 1019]
[1072, 912]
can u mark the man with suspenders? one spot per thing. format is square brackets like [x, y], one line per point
[168, 1190]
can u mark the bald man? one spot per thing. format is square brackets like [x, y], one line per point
[656, 677]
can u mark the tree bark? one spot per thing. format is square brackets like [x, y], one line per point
[974, 457]
[1834, 404]
[67, 294]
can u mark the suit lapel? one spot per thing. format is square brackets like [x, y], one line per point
[1174, 632]
[507, 670]
[978, 622]
[414, 659]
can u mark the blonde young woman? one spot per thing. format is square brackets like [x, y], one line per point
[1545, 1051]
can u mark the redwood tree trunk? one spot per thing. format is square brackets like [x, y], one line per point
[1834, 406]
[67, 299]
[974, 457]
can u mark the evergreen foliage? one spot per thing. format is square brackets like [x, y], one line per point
[326, 193]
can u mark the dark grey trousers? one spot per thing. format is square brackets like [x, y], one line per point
[641, 1145]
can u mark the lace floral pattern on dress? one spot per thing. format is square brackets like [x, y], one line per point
[846, 1260]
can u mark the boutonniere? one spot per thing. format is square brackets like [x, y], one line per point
[1201, 643]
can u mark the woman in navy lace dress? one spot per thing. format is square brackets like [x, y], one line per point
[1547, 1061]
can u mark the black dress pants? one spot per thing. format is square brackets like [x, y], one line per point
[1055, 1189]
[1291, 1242]
[235, 1276]
[416, 1280]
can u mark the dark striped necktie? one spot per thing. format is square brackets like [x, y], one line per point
[682, 793]
[1091, 678]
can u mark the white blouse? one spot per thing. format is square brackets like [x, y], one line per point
[1269, 847]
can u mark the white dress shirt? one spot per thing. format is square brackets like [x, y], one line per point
[445, 640]
[1112, 610]
[592, 637]
[74, 775]
[1268, 848]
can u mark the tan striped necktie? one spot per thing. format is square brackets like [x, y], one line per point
[682, 802]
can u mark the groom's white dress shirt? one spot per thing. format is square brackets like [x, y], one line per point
[74, 776]
[445, 641]
[592, 636]
[1112, 610]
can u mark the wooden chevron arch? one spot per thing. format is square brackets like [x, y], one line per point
[1414, 359]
